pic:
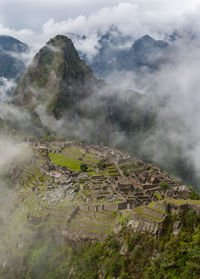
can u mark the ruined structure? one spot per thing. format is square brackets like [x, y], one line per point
[90, 205]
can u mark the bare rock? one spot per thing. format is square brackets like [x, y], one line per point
[154, 180]
[124, 249]
[177, 228]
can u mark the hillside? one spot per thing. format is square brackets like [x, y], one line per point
[60, 207]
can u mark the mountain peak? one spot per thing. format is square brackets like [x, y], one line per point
[8, 43]
[146, 41]
[147, 38]
[61, 41]
[56, 76]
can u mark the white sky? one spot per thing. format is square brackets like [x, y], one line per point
[20, 14]
[36, 21]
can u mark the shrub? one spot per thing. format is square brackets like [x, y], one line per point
[83, 167]
[164, 185]
[101, 164]
[193, 195]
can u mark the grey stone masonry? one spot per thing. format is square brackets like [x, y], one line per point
[154, 213]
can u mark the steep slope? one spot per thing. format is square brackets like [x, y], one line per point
[10, 65]
[60, 211]
[11, 44]
[57, 78]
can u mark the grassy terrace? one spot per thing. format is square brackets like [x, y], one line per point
[76, 154]
[74, 164]
[140, 211]
[181, 202]
[63, 161]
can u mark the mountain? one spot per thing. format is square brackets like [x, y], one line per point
[66, 203]
[57, 78]
[116, 55]
[11, 44]
[10, 65]
[68, 100]
[60, 84]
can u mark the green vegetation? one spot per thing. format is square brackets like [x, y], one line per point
[193, 195]
[164, 185]
[63, 161]
[101, 164]
[144, 257]
[83, 167]
[181, 202]
[158, 196]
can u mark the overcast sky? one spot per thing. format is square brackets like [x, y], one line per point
[20, 14]
[35, 21]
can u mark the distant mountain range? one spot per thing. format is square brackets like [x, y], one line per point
[118, 53]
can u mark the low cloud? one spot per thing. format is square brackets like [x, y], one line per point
[6, 87]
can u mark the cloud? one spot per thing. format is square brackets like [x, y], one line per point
[177, 84]
[134, 18]
[6, 87]
[177, 81]
[33, 14]
[12, 151]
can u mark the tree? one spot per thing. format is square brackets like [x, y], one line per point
[83, 167]
[101, 164]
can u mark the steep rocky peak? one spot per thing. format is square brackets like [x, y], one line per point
[57, 77]
[58, 50]
[63, 43]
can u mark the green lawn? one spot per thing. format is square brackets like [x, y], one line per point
[77, 154]
[61, 160]
[73, 164]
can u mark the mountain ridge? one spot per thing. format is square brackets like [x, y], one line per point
[144, 52]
